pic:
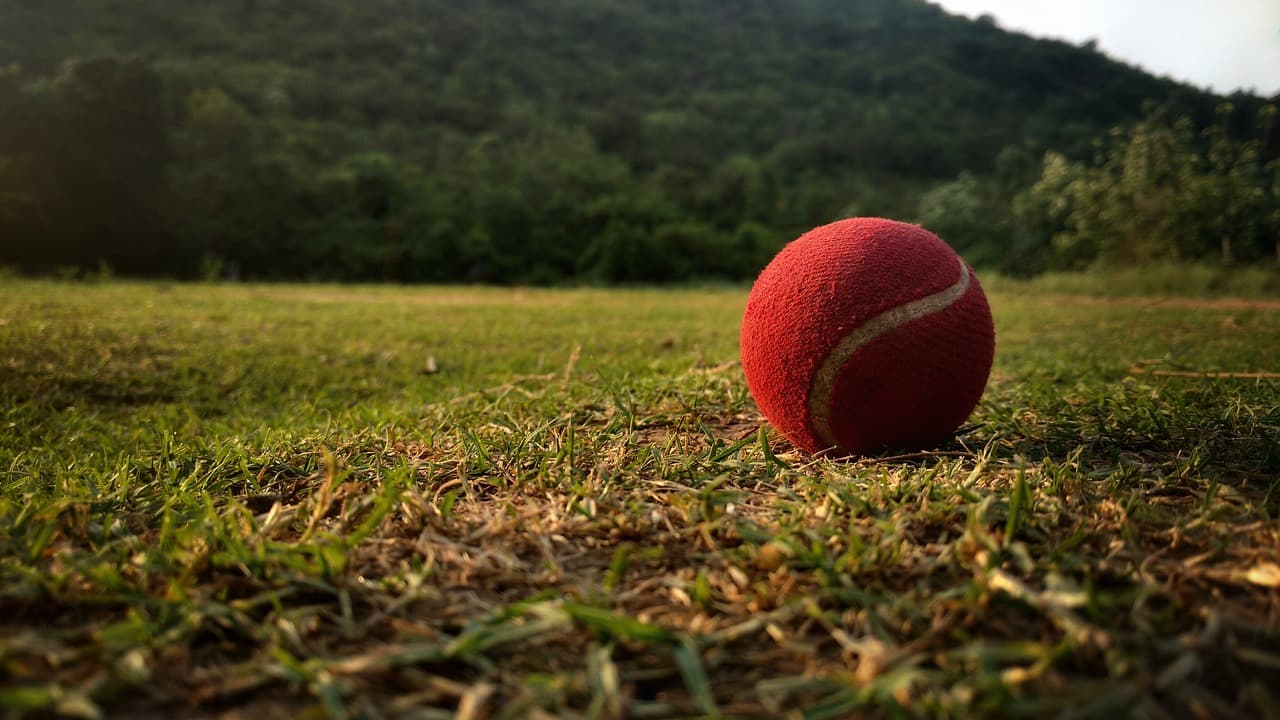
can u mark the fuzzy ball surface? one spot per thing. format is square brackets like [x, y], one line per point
[867, 335]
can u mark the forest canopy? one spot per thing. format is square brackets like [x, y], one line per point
[546, 141]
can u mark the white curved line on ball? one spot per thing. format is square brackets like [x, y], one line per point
[825, 379]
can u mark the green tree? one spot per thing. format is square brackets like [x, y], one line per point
[1159, 191]
[92, 148]
[965, 214]
[12, 199]
[213, 179]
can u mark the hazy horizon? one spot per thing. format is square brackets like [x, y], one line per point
[1225, 45]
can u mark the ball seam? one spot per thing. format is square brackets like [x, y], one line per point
[825, 378]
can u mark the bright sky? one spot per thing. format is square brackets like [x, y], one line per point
[1221, 44]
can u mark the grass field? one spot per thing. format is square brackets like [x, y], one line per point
[272, 501]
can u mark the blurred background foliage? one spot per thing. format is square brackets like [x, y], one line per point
[603, 141]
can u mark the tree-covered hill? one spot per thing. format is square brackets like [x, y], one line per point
[521, 140]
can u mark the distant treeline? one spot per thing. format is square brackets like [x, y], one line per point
[546, 141]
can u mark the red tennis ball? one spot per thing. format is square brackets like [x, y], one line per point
[864, 335]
